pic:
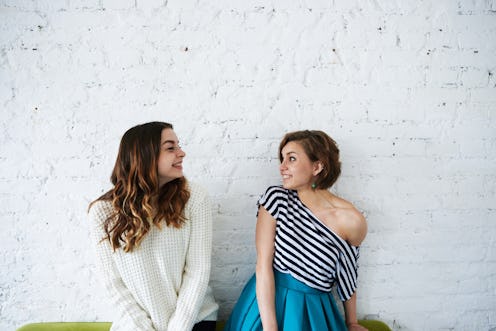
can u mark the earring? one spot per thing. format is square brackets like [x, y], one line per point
[314, 186]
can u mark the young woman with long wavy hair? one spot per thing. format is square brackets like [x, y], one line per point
[153, 236]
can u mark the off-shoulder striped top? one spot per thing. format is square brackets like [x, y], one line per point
[306, 248]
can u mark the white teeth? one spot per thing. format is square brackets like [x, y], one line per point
[285, 176]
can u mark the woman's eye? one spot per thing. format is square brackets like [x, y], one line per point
[292, 158]
[173, 148]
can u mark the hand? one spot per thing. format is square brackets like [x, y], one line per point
[356, 327]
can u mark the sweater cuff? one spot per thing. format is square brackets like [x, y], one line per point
[180, 323]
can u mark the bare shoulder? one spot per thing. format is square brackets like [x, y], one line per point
[351, 220]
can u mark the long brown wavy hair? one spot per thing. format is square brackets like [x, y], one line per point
[137, 200]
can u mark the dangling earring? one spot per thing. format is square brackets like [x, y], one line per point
[314, 186]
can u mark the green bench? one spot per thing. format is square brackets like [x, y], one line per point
[371, 325]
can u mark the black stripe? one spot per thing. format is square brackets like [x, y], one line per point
[306, 248]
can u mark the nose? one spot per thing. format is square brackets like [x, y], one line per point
[180, 152]
[283, 166]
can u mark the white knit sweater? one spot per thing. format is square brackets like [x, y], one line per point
[163, 284]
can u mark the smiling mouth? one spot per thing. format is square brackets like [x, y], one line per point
[285, 176]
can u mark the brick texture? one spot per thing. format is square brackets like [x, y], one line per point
[407, 89]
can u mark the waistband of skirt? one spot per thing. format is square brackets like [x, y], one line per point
[288, 281]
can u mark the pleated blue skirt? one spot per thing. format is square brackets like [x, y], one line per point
[299, 307]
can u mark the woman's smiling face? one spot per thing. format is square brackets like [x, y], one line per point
[170, 159]
[296, 169]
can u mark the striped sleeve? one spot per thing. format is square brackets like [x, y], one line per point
[272, 200]
[347, 272]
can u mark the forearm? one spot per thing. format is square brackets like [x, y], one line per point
[196, 270]
[194, 283]
[265, 234]
[127, 307]
[350, 310]
[121, 297]
[190, 297]
[266, 297]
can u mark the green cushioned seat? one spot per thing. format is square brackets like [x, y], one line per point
[66, 326]
[371, 325]
[374, 325]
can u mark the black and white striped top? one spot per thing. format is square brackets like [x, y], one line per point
[306, 248]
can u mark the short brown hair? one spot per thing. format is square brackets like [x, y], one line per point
[319, 147]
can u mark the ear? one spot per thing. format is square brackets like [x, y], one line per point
[317, 168]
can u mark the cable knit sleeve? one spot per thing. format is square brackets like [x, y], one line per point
[197, 267]
[126, 306]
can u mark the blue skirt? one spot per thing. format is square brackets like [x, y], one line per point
[299, 307]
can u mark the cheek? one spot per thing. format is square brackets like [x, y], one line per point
[164, 163]
[304, 171]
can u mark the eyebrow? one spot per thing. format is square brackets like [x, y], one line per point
[168, 142]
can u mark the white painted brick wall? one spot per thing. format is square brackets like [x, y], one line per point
[407, 88]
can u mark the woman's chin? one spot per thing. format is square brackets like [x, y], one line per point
[287, 186]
